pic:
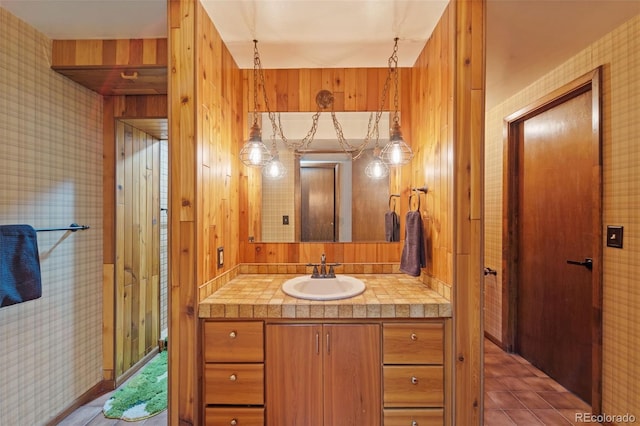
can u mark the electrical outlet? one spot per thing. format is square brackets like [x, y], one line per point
[285, 220]
[220, 257]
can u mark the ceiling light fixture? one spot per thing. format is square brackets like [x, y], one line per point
[395, 153]
[274, 169]
[254, 152]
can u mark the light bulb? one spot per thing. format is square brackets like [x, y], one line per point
[255, 154]
[396, 153]
[273, 169]
[377, 170]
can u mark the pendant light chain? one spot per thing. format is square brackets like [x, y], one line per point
[397, 153]
[393, 68]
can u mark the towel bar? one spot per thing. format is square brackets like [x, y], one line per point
[73, 228]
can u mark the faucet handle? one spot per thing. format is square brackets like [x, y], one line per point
[332, 273]
[315, 273]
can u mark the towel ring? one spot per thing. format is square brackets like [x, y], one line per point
[411, 197]
[392, 197]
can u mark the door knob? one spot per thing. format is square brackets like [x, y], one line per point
[587, 263]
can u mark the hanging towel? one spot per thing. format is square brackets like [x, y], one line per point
[391, 226]
[413, 253]
[20, 278]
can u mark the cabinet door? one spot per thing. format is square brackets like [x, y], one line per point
[352, 374]
[294, 375]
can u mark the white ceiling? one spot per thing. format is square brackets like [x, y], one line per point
[525, 38]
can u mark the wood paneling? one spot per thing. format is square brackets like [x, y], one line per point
[441, 101]
[354, 89]
[447, 122]
[114, 67]
[137, 248]
[432, 126]
[205, 131]
[183, 357]
[115, 107]
[468, 221]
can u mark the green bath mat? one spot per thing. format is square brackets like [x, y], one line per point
[142, 396]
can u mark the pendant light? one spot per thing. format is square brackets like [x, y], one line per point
[254, 153]
[397, 152]
[274, 169]
[376, 169]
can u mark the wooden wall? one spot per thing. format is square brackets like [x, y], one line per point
[467, 212]
[137, 267]
[295, 90]
[205, 129]
[447, 120]
[432, 120]
[115, 107]
[199, 139]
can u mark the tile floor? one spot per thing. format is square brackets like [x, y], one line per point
[517, 393]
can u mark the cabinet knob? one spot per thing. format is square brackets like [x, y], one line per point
[234, 422]
[414, 336]
[414, 380]
[414, 423]
[233, 334]
[233, 377]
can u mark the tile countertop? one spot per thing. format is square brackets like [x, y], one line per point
[386, 296]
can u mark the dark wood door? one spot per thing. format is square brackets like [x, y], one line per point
[317, 204]
[556, 222]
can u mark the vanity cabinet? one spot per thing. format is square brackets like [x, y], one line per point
[413, 373]
[305, 372]
[233, 373]
[323, 374]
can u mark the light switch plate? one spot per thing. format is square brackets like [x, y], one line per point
[614, 236]
[220, 257]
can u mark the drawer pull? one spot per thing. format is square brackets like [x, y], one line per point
[414, 423]
[414, 336]
[234, 422]
[414, 380]
[233, 334]
[233, 377]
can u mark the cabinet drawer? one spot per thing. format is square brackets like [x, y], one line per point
[234, 416]
[233, 341]
[234, 384]
[419, 343]
[413, 386]
[414, 417]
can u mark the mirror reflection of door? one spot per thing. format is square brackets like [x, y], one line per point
[317, 203]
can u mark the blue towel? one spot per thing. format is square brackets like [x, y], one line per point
[391, 226]
[20, 278]
[413, 252]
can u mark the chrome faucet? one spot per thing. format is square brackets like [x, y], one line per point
[323, 273]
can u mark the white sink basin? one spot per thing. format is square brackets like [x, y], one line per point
[340, 287]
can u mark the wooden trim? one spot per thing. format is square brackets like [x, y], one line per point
[136, 367]
[94, 392]
[510, 238]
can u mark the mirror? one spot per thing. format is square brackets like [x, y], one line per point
[325, 195]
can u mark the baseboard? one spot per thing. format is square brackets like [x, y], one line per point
[494, 340]
[94, 392]
[101, 388]
[136, 367]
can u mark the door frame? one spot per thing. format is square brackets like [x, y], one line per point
[510, 235]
